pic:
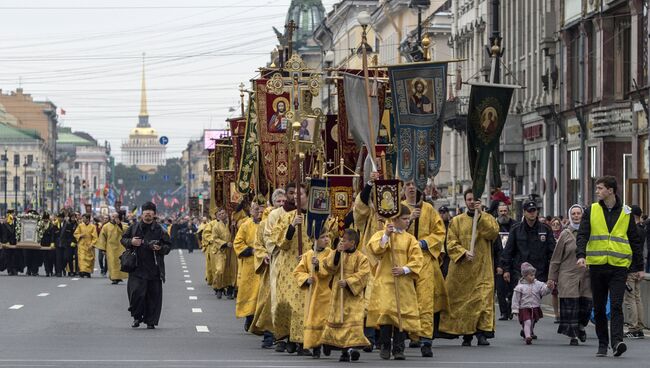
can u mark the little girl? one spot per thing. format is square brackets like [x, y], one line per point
[526, 301]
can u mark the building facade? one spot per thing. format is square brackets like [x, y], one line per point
[195, 171]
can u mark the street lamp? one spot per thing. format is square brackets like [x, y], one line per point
[329, 59]
[364, 20]
[5, 158]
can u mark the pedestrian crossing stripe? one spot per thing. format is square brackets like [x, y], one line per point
[43, 294]
[188, 281]
[190, 288]
[186, 275]
[62, 285]
[202, 329]
[197, 310]
[185, 271]
[17, 306]
[193, 298]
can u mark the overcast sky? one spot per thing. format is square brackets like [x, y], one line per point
[86, 57]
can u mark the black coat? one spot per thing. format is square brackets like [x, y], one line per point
[49, 235]
[66, 234]
[151, 264]
[611, 216]
[532, 244]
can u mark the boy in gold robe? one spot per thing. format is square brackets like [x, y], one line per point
[206, 247]
[86, 235]
[470, 281]
[219, 248]
[314, 280]
[400, 263]
[427, 227]
[109, 241]
[344, 326]
[243, 246]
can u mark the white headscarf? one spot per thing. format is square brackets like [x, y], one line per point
[573, 225]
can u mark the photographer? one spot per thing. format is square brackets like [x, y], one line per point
[144, 287]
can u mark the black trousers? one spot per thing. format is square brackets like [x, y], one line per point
[49, 260]
[33, 260]
[15, 260]
[71, 260]
[60, 260]
[101, 259]
[610, 280]
[145, 299]
[389, 331]
[504, 294]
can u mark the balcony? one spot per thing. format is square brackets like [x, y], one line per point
[614, 120]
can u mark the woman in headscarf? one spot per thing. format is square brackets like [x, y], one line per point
[571, 281]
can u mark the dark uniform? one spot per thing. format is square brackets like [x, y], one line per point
[533, 244]
[69, 250]
[48, 239]
[13, 258]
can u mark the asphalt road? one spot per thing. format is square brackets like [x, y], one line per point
[69, 322]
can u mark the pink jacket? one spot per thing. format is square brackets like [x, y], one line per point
[527, 295]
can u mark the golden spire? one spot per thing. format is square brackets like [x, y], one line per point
[143, 93]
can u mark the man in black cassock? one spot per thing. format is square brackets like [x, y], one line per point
[13, 258]
[144, 287]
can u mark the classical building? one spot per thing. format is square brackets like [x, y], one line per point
[195, 170]
[143, 148]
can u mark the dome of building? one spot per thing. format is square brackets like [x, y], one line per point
[144, 131]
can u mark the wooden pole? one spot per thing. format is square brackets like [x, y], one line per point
[312, 273]
[342, 278]
[395, 278]
[371, 128]
[296, 129]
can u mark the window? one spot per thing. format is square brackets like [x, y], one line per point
[29, 184]
[574, 176]
[76, 165]
[16, 159]
[593, 170]
[16, 183]
[574, 68]
[3, 183]
[622, 57]
[30, 160]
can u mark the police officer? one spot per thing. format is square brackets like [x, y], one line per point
[608, 242]
[528, 241]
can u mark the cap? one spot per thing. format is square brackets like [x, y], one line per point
[636, 210]
[529, 205]
[443, 209]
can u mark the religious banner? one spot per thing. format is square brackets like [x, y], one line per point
[319, 205]
[249, 150]
[273, 123]
[349, 148]
[387, 197]
[237, 129]
[418, 92]
[486, 116]
[341, 198]
[357, 110]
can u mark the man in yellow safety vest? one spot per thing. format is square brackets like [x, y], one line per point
[608, 242]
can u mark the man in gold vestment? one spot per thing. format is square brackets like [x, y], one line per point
[109, 241]
[86, 235]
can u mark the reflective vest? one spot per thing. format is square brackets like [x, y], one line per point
[605, 247]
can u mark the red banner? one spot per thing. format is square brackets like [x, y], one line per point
[273, 126]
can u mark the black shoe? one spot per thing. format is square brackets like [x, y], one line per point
[150, 327]
[521, 333]
[602, 351]
[115, 282]
[58, 275]
[414, 344]
[316, 353]
[482, 341]
[345, 356]
[136, 323]
[219, 294]
[619, 349]
[304, 352]
[582, 336]
[367, 348]
[467, 341]
[639, 335]
[573, 342]
[384, 354]
[48, 275]
[534, 336]
[247, 324]
[557, 320]
[399, 355]
[354, 355]
[426, 351]
[34, 273]
[503, 317]
[280, 347]
[292, 347]
[267, 345]
[327, 350]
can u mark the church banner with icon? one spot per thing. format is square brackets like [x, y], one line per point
[387, 197]
[486, 116]
[341, 198]
[273, 123]
[319, 205]
[249, 150]
[418, 96]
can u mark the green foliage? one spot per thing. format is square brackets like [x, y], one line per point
[135, 180]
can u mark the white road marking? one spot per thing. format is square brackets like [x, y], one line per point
[197, 310]
[180, 251]
[185, 271]
[17, 306]
[202, 329]
[186, 275]
[190, 288]
[62, 285]
[193, 298]
[184, 267]
[188, 281]
[43, 294]
[75, 279]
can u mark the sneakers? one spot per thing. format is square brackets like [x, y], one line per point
[573, 342]
[467, 341]
[426, 351]
[345, 356]
[482, 341]
[292, 347]
[384, 354]
[582, 336]
[619, 349]
[354, 355]
[219, 293]
[281, 347]
[504, 317]
[136, 323]
[399, 355]
[602, 351]
[634, 335]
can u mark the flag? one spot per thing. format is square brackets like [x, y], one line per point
[418, 92]
[486, 116]
[357, 110]
[248, 150]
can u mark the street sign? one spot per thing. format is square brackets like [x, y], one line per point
[163, 140]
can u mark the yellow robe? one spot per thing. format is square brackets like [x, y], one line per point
[263, 319]
[290, 300]
[383, 307]
[220, 236]
[247, 296]
[430, 285]
[109, 240]
[206, 244]
[316, 315]
[281, 326]
[86, 236]
[349, 332]
[470, 283]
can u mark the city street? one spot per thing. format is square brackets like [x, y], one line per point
[69, 322]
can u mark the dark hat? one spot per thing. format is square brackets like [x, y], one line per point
[149, 206]
[46, 216]
[636, 210]
[443, 209]
[529, 204]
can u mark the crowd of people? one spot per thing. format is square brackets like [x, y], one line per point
[420, 275]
